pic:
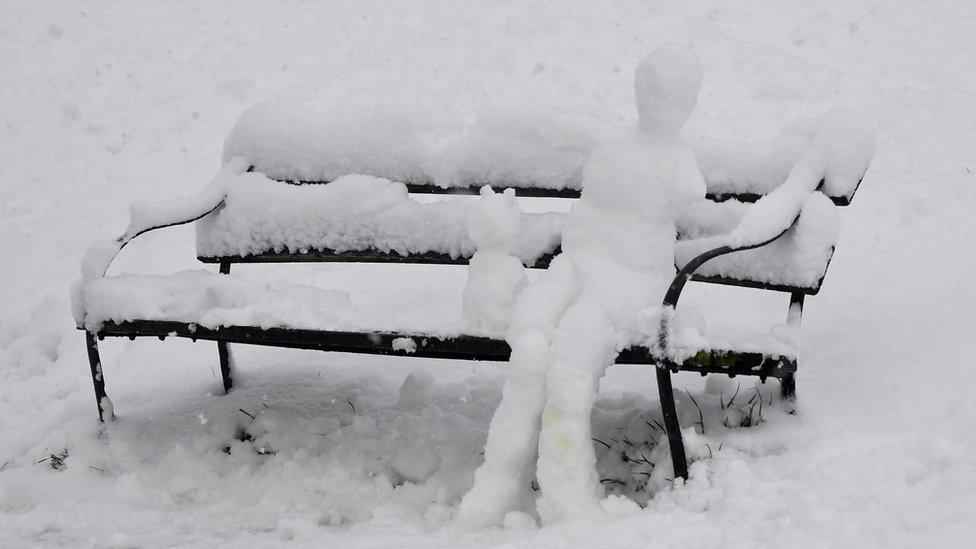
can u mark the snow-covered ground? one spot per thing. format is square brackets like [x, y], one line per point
[105, 103]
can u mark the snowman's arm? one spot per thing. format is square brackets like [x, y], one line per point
[688, 270]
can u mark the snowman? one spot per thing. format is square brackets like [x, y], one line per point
[567, 327]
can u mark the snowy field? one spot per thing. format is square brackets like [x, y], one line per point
[104, 103]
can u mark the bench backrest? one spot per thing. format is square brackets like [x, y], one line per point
[377, 256]
[541, 192]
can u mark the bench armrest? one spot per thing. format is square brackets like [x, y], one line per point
[149, 216]
[766, 221]
[685, 273]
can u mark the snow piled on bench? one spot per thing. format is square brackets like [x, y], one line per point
[843, 137]
[213, 300]
[523, 147]
[355, 212]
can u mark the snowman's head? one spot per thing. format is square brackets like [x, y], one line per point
[494, 225]
[666, 83]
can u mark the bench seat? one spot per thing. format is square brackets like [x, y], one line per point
[210, 301]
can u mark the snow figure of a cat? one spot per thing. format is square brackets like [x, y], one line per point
[568, 326]
[495, 276]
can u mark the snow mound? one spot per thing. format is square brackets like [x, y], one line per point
[519, 147]
[305, 141]
[213, 300]
[522, 147]
[843, 138]
[355, 212]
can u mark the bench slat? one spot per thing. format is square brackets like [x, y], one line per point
[433, 258]
[458, 348]
[359, 256]
[538, 192]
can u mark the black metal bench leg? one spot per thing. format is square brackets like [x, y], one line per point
[666, 393]
[105, 409]
[223, 348]
[226, 361]
[788, 383]
[787, 387]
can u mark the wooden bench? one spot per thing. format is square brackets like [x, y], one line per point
[712, 361]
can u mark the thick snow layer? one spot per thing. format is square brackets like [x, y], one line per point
[520, 147]
[361, 212]
[355, 212]
[212, 300]
[286, 140]
[111, 103]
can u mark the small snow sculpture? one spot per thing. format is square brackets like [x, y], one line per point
[567, 327]
[495, 275]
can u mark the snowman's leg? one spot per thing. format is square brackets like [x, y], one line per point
[512, 443]
[582, 348]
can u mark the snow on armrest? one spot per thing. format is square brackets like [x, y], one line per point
[148, 216]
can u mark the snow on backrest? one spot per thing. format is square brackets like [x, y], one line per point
[529, 148]
[355, 212]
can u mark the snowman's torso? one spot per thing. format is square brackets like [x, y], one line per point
[633, 190]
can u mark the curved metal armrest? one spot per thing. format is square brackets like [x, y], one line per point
[101, 255]
[123, 240]
[685, 273]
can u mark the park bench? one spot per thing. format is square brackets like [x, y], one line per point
[756, 269]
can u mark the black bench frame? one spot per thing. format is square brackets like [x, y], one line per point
[469, 347]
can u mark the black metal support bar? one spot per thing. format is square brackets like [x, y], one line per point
[98, 380]
[226, 365]
[666, 393]
[537, 192]
[471, 189]
[434, 258]
[375, 343]
[456, 348]
[361, 256]
[223, 349]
